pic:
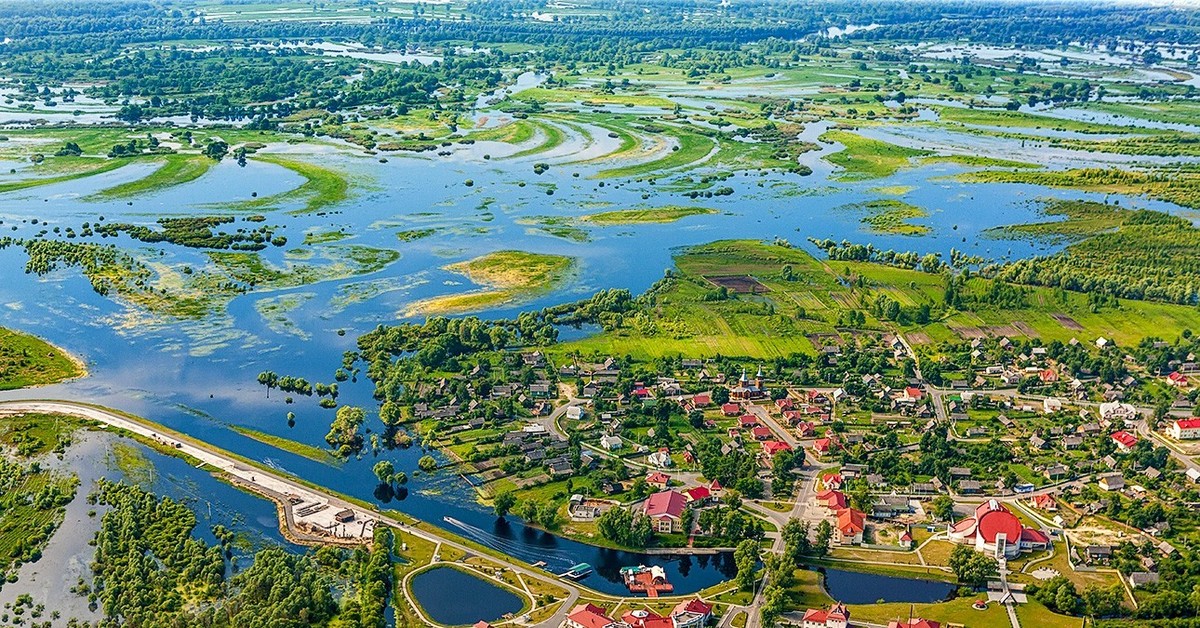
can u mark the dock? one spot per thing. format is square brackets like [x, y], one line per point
[649, 580]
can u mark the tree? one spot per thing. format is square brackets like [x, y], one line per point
[384, 470]
[824, 536]
[390, 414]
[502, 503]
[746, 558]
[427, 463]
[942, 507]
[972, 567]
[268, 379]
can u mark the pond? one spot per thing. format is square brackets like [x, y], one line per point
[453, 597]
[853, 587]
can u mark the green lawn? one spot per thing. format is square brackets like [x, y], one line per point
[26, 360]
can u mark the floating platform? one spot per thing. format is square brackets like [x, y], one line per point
[649, 580]
[578, 571]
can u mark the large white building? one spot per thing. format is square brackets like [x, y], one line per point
[995, 531]
[1184, 429]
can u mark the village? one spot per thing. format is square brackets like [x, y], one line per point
[1037, 461]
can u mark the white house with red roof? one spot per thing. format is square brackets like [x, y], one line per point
[1177, 379]
[761, 433]
[659, 479]
[589, 616]
[748, 421]
[701, 400]
[731, 409]
[997, 532]
[698, 495]
[838, 616]
[850, 526]
[1184, 429]
[833, 481]
[1124, 440]
[665, 509]
[692, 613]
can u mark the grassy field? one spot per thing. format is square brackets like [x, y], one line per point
[508, 276]
[866, 158]
[94, 167]
[175, 170]
[891, 216]
[322, 187]
[316, 454]
[670, 213]
[29, 361]
[688, 148]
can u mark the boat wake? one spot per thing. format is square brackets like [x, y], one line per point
[552, 557]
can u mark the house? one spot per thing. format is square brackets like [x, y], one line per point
[660, 459]
[833, 481]
[888, 506]
[665, 510]
[698, 495]
[960, 472]
[906, 540]
[915, 622]
[761, 433]
[1111, 482]
[658, 479]
[481, 624]
[838, 616]
[1177, 379]
[969, 487]
[693, 613]
[1099, 552]
[833, 501]
[1037, 442]
[1142, 578]
[747, 421]
[849, 528]
[772, 447]
[731, 409]
[1056, 472]
[1124, 440]
[1050, 405]
[1072, 442]
[588, 616]
[1184, 429]
[575, 412]
[611, 443]
[1048, 376]
[1116, 411]
[701, 400]
[1193, 474]
[1045, 502]
[822, 445]
[997, 532]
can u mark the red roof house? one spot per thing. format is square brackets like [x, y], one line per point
[748, 420]
[1177, 379]
[588, 616]
[833, 480]
[1045, 502]
[773, 447]
[850, 525]
[665, 508]
[784, 404]
[701, 400]
[761, 433]
[831, 499]
[697, 494]
[730, 409]
[1125, 441]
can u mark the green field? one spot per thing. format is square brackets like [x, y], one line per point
[866, 158]
[316, 454]
[670, 213]
[508, 276]
[322, 187]
[175, 170]
[29, 361]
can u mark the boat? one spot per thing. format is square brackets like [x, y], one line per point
[578, 571]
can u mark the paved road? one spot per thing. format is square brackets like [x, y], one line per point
[274, 484]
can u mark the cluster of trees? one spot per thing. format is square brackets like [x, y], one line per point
[197, 232]
[624, 528]
[1060, 595]
[345, 432]
[972, 567]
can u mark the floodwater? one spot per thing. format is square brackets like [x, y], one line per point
[199, 377]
